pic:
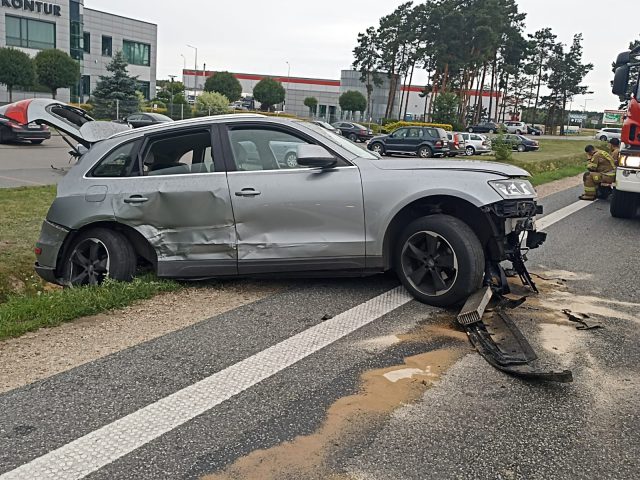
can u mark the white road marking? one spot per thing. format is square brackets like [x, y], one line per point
[553, 218]
[101, 447]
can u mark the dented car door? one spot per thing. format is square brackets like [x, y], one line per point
[291, 218]
[180, 203]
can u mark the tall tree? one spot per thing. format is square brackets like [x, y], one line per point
[16, 70]
[366, 61]
[567, 73]
[312, 104]
[544, 43]
[116, 90]
[268, 92]
[352, 101]
[226, 84]
[56, 69]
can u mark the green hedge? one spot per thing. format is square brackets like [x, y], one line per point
[390, 127]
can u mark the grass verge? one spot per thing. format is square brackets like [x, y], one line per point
[21, 214]
[555, 160]
[27, 313]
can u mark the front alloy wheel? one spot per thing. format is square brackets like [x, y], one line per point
[429, 263]
[439, 260]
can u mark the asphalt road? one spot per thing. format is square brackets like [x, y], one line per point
[277, 380]
[24, 164]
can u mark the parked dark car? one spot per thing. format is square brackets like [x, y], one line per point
[13, 127]
[354, 131]
[425, 142]
[487, 127]
[140, 119]
[456, 144]
[534, 131]
[521, 143]
[328, 126]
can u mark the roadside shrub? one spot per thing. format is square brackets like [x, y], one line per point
[375, 128]
[501, 148]
[390, 127]
[212, 103]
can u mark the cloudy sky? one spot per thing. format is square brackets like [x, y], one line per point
[317, 38]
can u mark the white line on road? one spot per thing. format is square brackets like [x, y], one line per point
[553, 218]
[88, 454]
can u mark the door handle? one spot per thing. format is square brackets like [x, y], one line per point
[248, 192]
[136, 199]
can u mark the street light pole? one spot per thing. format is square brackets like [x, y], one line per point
[286, 91]
[195, 81]
[171, 92]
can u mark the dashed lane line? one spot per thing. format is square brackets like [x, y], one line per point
[102, 447]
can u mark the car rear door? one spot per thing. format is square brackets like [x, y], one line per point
[178, 199]
[291, 219]
[396, 141]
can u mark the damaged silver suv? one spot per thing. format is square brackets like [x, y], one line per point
[248, 195]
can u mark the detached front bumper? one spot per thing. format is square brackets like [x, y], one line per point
[48, 249]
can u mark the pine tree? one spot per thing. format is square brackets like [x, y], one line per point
[116, 91]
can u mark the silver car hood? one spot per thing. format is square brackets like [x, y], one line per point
[464, 165]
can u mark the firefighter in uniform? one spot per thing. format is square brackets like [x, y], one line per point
[615, 150]
[601, 168]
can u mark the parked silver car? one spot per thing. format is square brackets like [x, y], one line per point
[475, 144]
[606, 134]
[209, 198]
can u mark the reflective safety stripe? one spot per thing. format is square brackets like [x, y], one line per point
[589, 189]
[610, 174]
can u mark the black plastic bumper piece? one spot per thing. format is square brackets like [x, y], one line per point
[46, 273]
[501, 343]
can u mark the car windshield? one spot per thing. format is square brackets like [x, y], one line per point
[340, 140]
[357, 125]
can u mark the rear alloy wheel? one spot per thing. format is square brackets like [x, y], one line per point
[378, 148]
[291, 159]
[353, 137]
[521, 148]
[624, 204]
[469, 151]
[99, 254]
[491, 131]
[439, 260]
[425, 152]
[603, 138]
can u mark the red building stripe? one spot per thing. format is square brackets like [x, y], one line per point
[251, 76]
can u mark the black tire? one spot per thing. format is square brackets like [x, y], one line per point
[603, 138]
[3, 135]
[378, 148]
[521, 148]
[37, 142]
[623, 204]
[439, 246]
[425, 152]
[353, 137]
[469, 151]
[97, 254]
[519, 132]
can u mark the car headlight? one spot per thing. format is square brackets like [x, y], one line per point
[629, 161]
[516, 188]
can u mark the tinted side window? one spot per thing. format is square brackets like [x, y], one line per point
[180, 154]
[121, 162]
[259, 148]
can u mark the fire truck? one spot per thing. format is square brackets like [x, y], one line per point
[626, 85]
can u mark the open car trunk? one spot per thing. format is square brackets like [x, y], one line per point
[72, 121]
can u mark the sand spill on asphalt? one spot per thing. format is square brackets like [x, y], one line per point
[382, 391]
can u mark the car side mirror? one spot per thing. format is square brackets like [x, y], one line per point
[315, 156]
[621, 81]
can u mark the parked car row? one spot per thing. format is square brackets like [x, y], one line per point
[516, 127]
